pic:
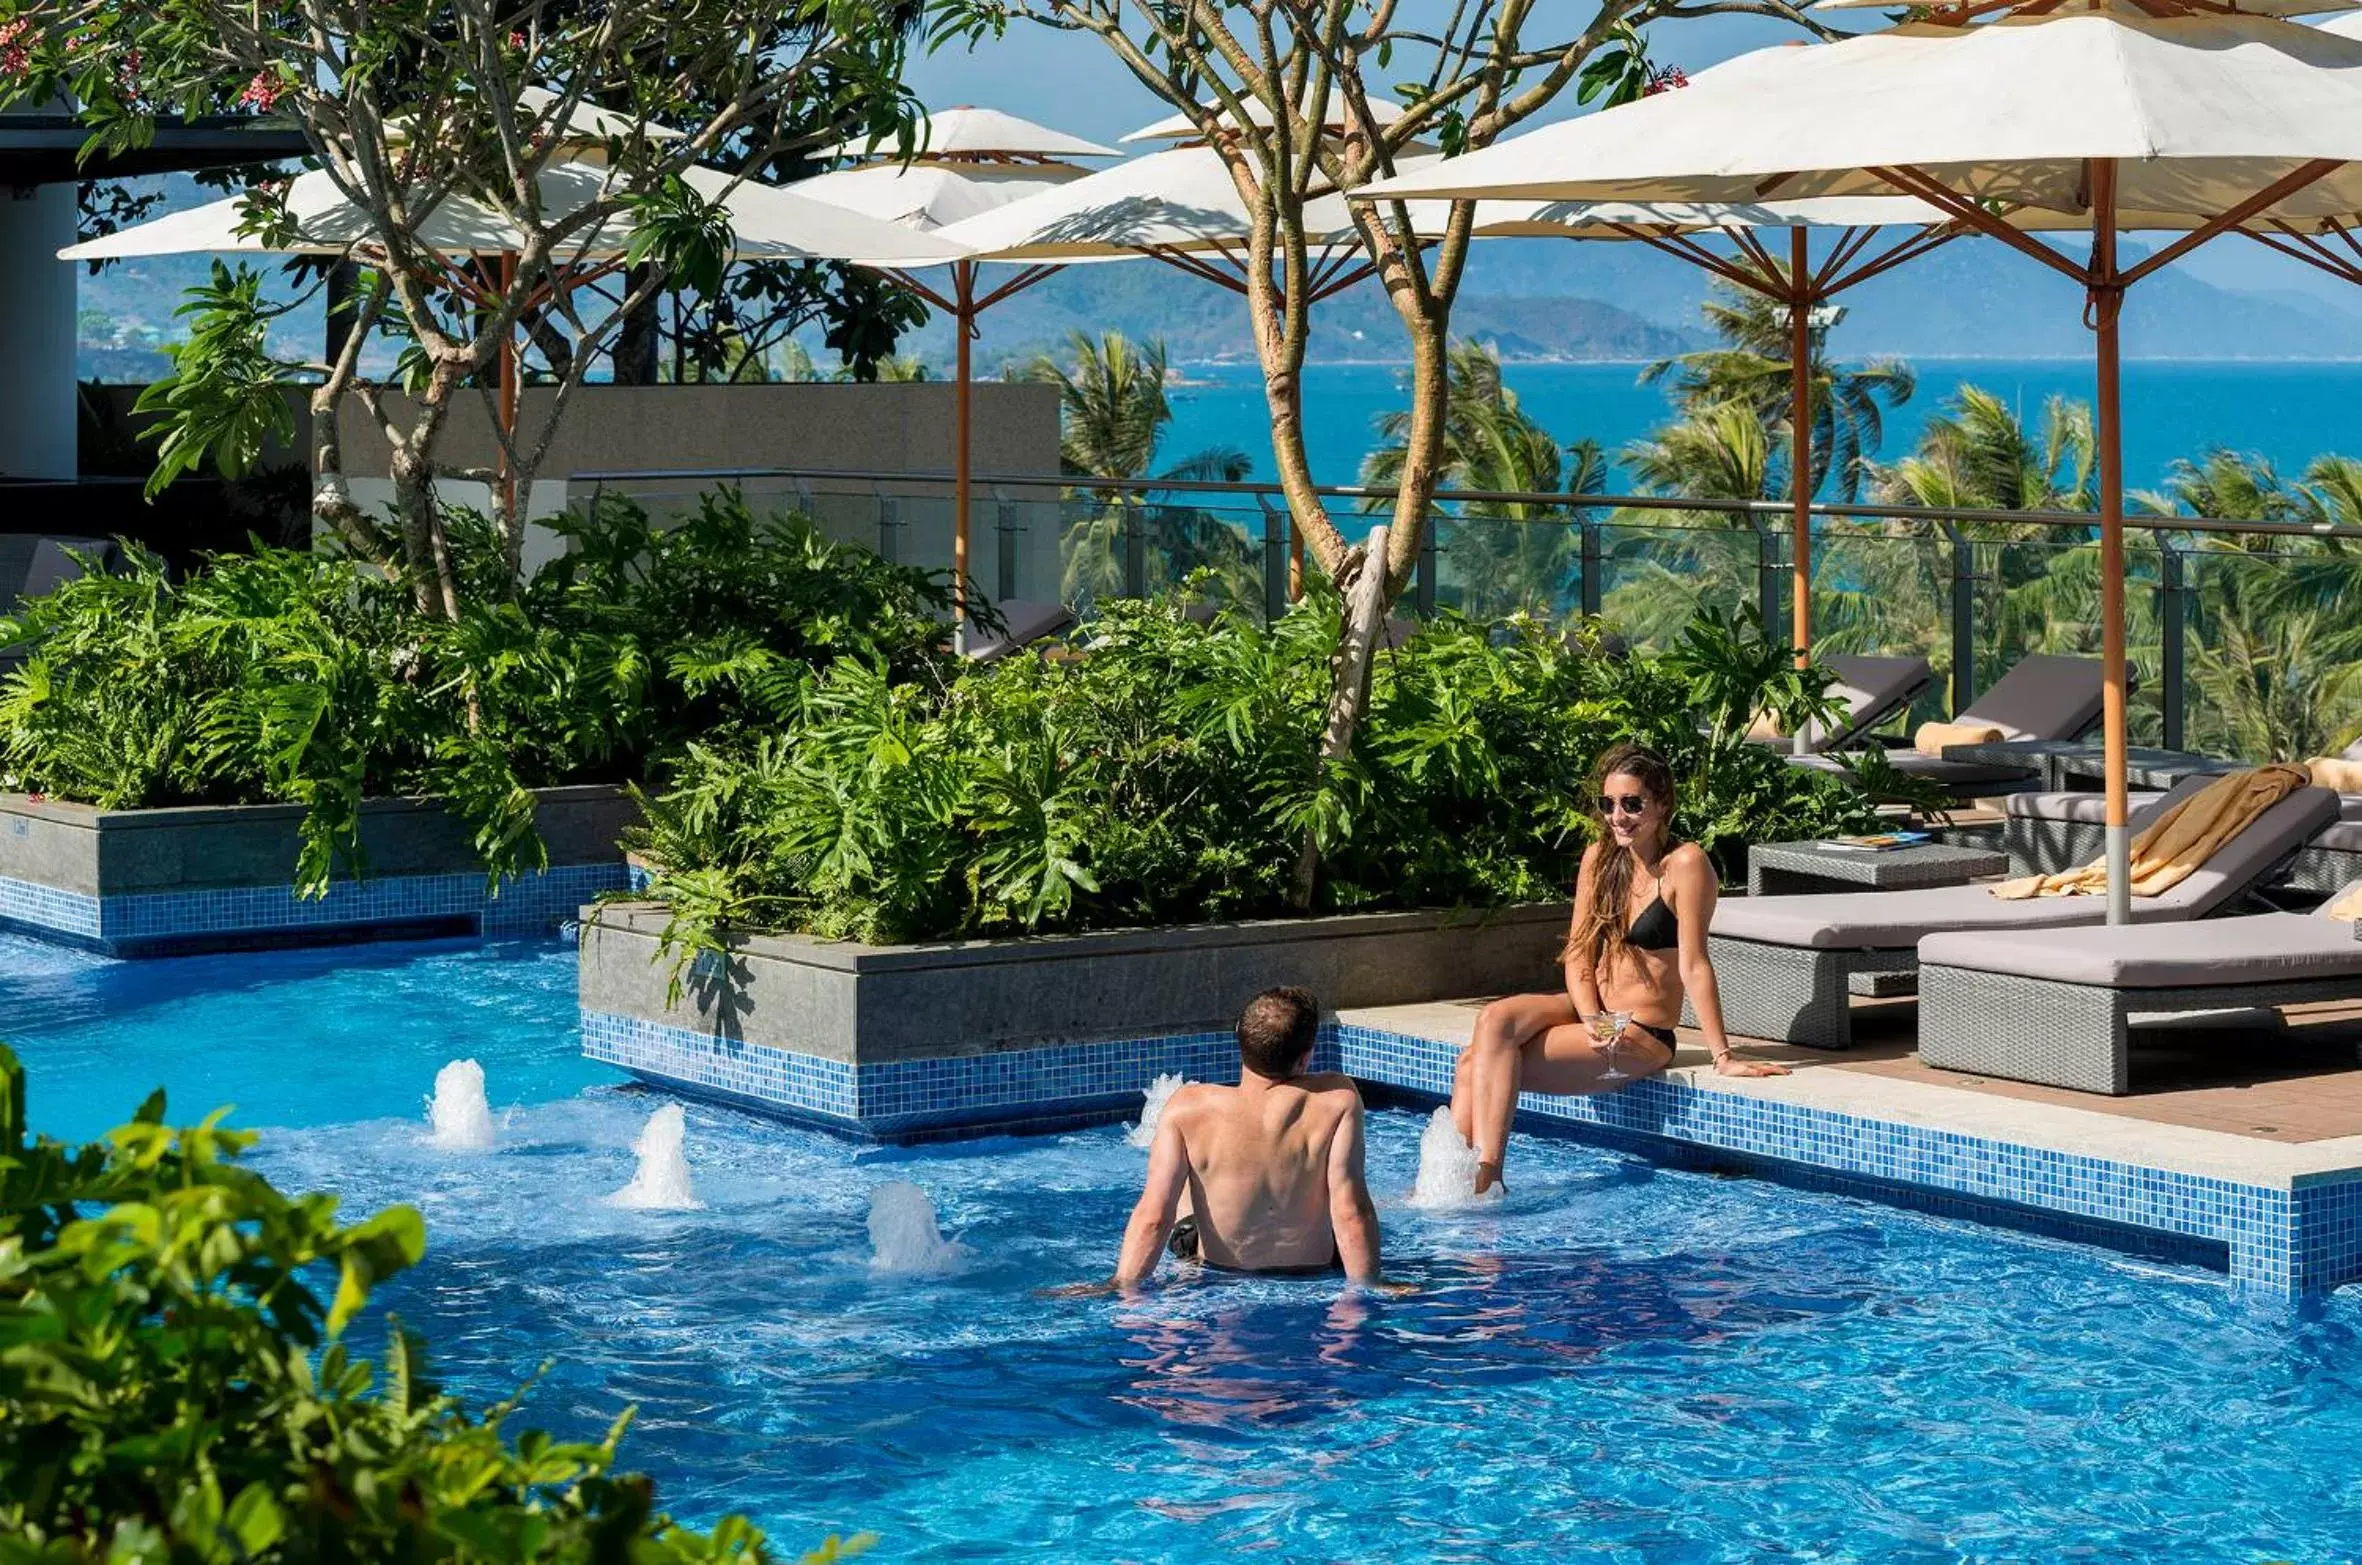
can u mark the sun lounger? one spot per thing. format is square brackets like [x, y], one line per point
[1786, 967]
[2044, 698]
[1023, 624]
[1872, 689]
[2056, 1007]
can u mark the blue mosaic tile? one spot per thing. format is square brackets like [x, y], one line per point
[2278, 1242]
[1013, 1089]
[123, 925]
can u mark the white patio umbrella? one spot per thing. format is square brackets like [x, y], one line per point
[767, 223]
[2124, 117]
[971, 161]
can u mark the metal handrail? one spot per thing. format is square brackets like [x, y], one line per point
[1778, 509]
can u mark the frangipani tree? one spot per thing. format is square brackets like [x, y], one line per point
[410, 106]
[1305, 99]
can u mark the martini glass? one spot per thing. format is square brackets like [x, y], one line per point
[1607, 1030]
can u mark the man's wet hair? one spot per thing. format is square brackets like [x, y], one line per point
[1276, 1032]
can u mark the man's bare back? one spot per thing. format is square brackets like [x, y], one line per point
[1269, 1172]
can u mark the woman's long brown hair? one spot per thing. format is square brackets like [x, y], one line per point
[1599, 924]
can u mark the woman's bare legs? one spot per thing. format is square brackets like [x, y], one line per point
[1485, 1082]
[1561, 1060]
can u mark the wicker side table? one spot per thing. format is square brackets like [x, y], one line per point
[1781, 868]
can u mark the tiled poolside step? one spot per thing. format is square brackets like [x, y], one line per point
[2285, 1214]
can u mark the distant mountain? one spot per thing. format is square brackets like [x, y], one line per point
[1535, 300]
[1202, 322]
[1973, 298]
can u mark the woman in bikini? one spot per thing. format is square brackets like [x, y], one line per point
[1642, 905]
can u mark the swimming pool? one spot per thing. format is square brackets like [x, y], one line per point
[1638, 1363]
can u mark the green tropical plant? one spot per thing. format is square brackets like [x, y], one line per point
[307, 678]
[1167, 777]
[174, 1389]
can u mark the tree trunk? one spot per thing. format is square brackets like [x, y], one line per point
[426, 551]
[636, 342]
[1423, 449]
[1363, 578]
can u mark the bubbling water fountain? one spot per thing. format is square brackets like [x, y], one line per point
[903, 1236]
[459, 1118]
[1152, 1108]
[661, 1183]
[1447, 1168]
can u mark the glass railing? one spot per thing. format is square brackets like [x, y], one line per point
[2244, 638]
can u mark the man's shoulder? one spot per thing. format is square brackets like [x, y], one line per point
[1330, 1084]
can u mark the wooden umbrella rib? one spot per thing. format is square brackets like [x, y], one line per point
[1687, 249]
[1912, 181]
[2280, 189]
[1909, 248]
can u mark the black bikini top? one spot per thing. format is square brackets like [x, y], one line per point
[1655, 929]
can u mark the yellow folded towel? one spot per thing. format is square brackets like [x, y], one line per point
[1930, 738]
[2347, 907]
[2177, 842]
[2330, 771]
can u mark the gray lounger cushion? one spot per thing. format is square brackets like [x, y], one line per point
[1898, 920]
[2044, 697]
[2088, 809]
[2263, 948]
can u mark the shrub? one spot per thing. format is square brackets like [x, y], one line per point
[1165, 775]
[172, 1388]
[299, 677]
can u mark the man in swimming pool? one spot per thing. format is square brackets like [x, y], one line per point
[1265, 1176]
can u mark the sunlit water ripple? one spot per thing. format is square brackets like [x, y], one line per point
[1616, 1359]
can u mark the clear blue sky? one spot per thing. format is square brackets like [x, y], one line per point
[1071, 82]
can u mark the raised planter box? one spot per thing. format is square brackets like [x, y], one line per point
[164, 882]
[907, 1042]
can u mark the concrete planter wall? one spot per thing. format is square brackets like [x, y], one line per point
[899, 1042]
[159, 882]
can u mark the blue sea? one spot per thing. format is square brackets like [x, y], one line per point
[1618, 1363]
[2288, 413]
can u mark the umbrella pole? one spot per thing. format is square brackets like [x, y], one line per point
[963, 275]
[1800, 608]
[2107, 297]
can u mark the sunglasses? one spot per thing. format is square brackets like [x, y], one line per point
[1628, 803]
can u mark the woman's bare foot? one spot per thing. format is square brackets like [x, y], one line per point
[1487, 1176]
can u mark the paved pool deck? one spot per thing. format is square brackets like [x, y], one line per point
[2240, 1146]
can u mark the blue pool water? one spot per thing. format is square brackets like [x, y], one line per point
[1620, 1361]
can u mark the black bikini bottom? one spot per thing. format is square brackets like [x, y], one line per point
[1663, 1035]
[1185, 1245]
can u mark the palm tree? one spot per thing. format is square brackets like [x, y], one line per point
[1499, 556]
[2271, 616]
[1112, 410]
[2038, 586]
[1668, 565]
[1751, 365]
[1977, 454]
